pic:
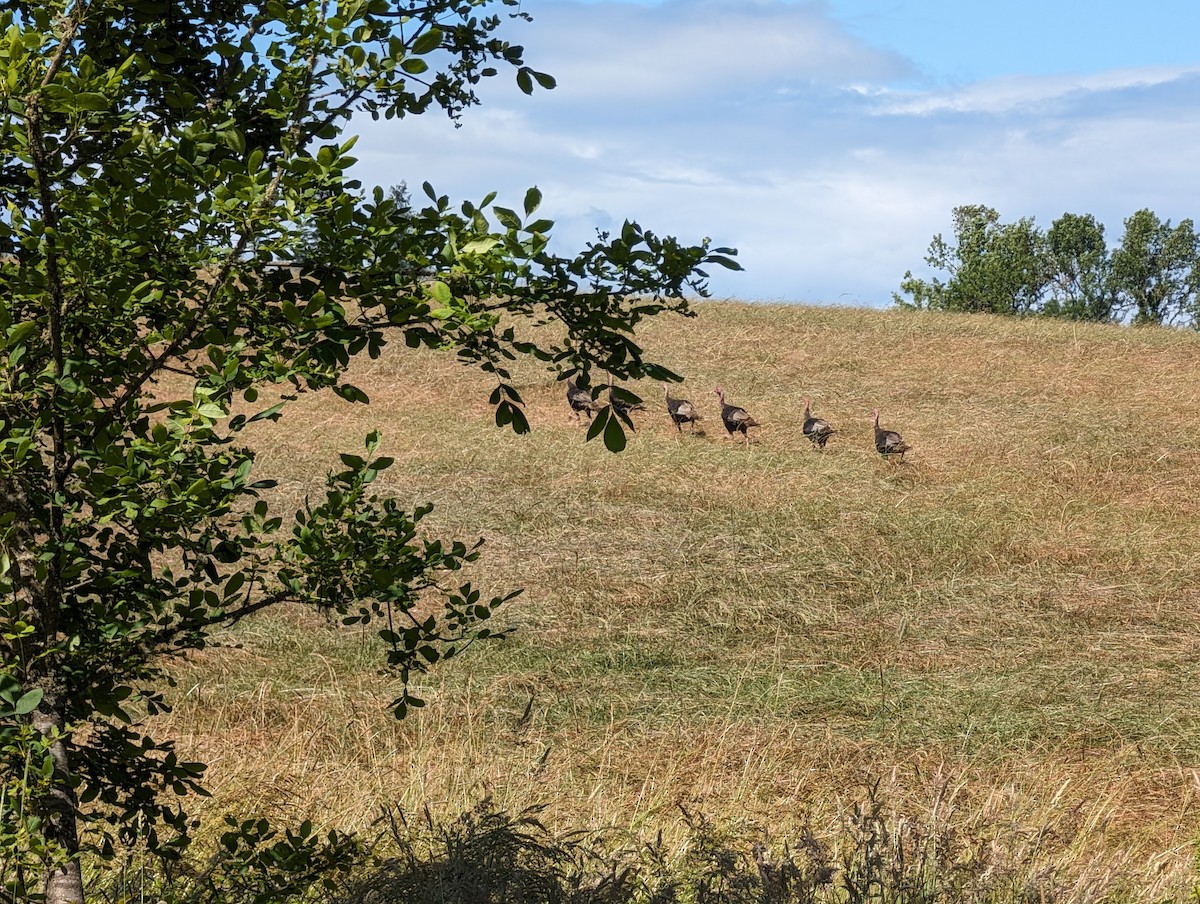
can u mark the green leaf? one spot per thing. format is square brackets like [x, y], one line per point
[28, 703]
[720, 261]
[90, 101]
[480, 246]
[525, 79]
[614, 435]
[211, 410]
[21, 332]
[431, 40]
[234, 140]
[514, 417]
[533, 198]
[599, 423]
[235, 583]
[351, 393]
[267, 414]
[507, 217]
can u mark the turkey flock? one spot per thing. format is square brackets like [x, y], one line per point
[736, 420]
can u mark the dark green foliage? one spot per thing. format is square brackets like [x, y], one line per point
[994, 267]
[160, 161]
[330, 243]
[1081, 286]
[1157, 269]
[251, 862]
[1152, 277]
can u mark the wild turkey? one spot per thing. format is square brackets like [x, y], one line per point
[816, 429]
[621, 408]
[888, 442]
[681, 410]
[581, 401]
[735, 419]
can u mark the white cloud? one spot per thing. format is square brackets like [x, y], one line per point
[763, 125]
[696, 48]
[1002, 95]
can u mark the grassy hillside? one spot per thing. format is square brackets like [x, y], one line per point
[1003, 630]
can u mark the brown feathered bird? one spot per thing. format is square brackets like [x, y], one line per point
[735, 419]
[681, 410]
[816, 429]
[581, 401]
[888, 442]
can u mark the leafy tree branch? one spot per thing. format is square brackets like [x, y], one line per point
[161, 168]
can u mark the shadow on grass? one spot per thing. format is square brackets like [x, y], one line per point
[871, 855]
[488, 856]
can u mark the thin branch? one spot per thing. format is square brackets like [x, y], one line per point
[55, 307]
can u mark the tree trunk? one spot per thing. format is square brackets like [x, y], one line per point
[63, 882]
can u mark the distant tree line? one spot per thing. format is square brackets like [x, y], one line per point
[1068, 271]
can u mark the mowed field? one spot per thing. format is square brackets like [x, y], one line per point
[1003, 632]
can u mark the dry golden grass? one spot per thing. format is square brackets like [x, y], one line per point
[1003, 627]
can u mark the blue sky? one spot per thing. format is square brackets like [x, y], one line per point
[828, 140]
